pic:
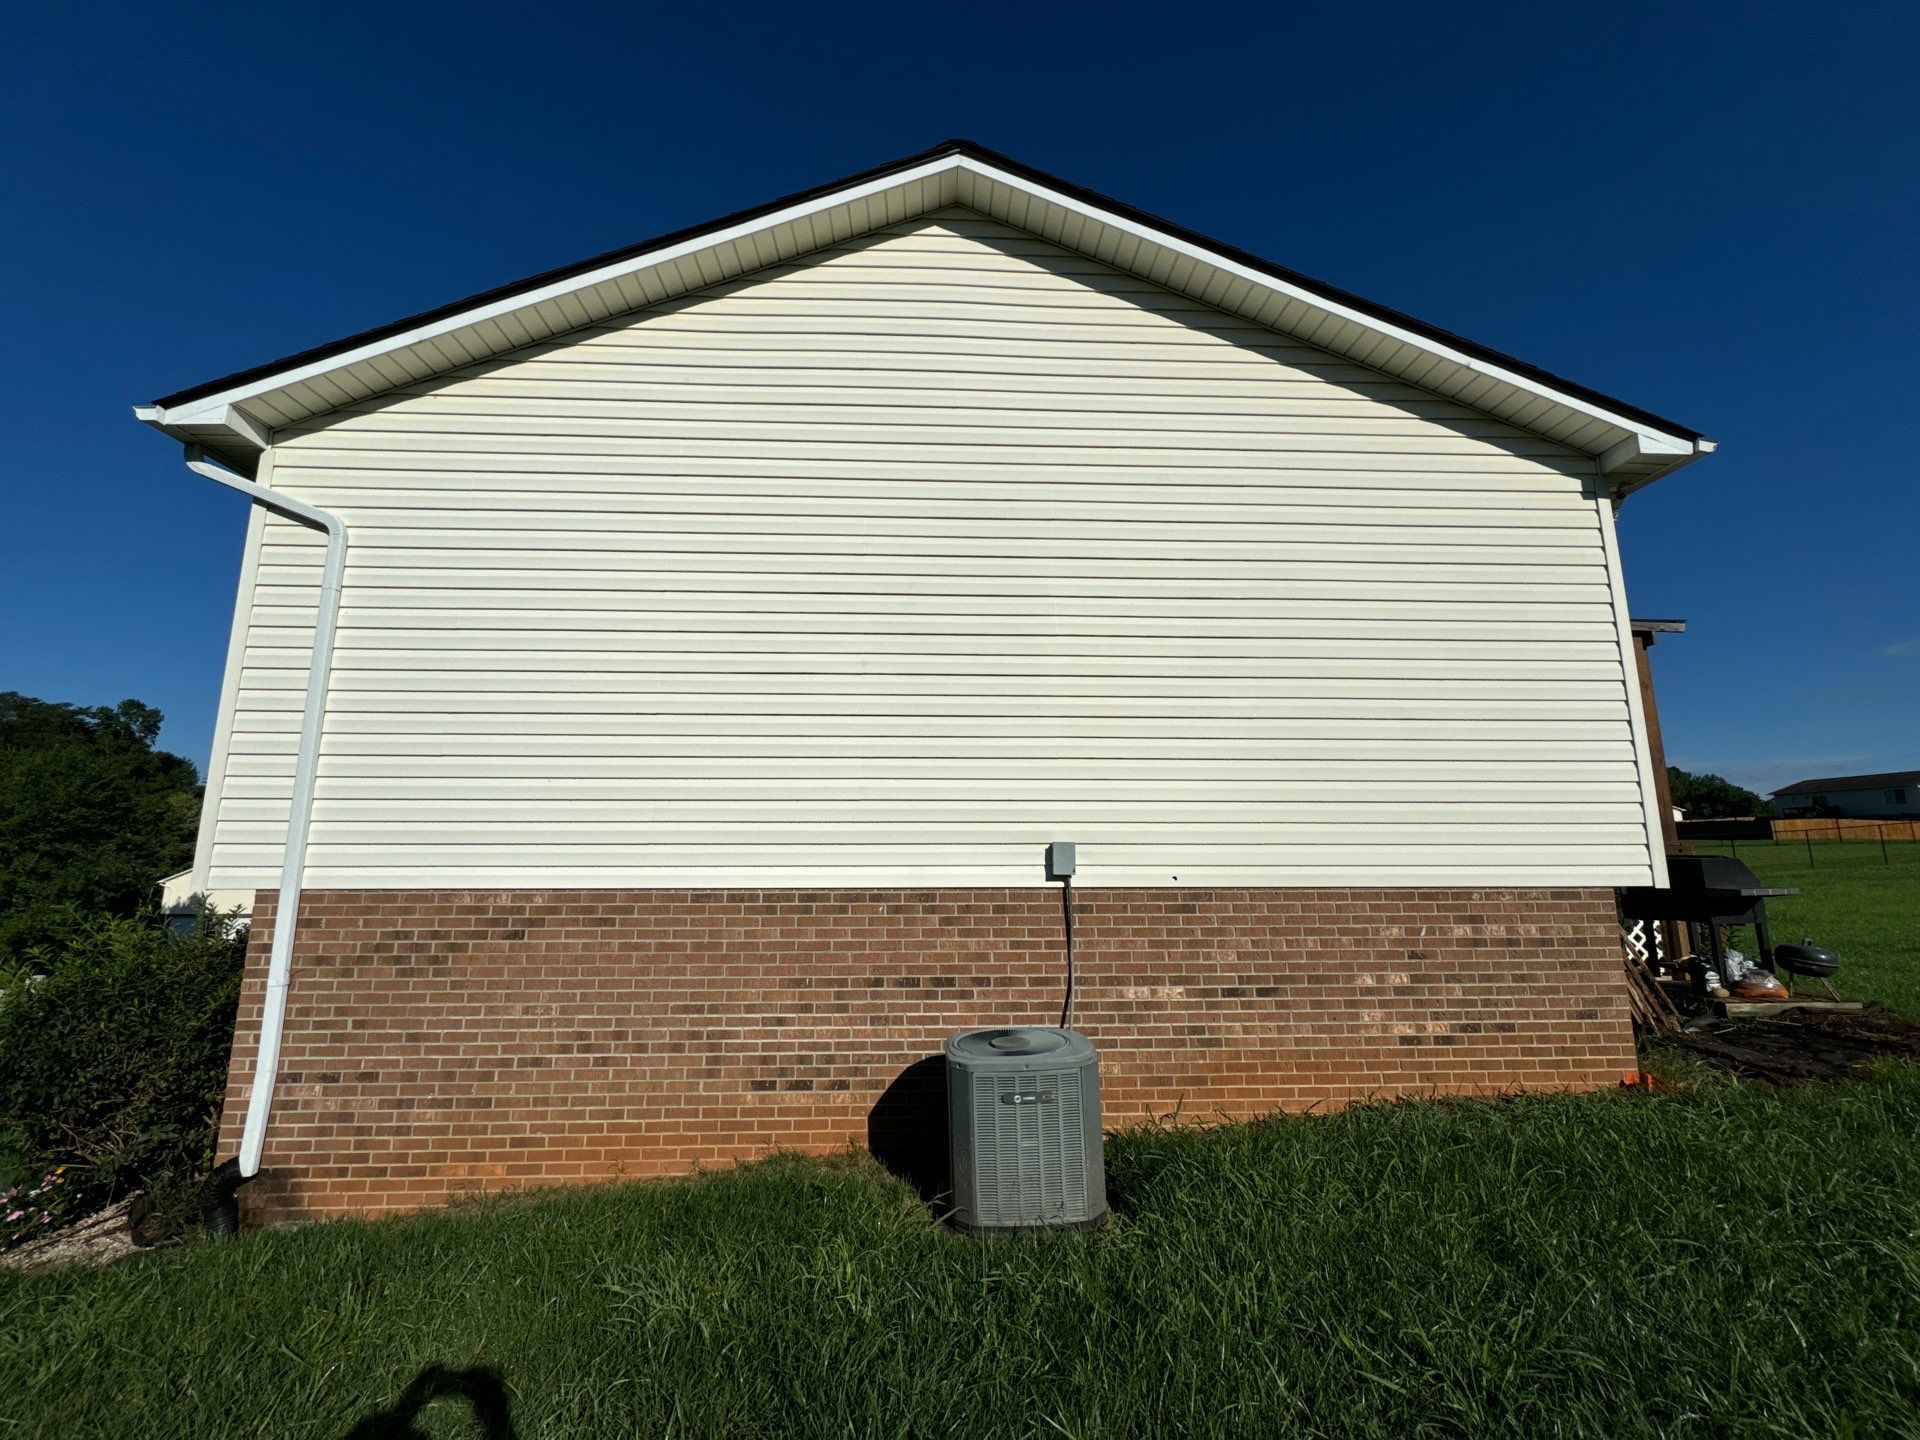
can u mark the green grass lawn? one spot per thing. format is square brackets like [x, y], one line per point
[1731, 1260]
[1852, 902]
[1726, 1261]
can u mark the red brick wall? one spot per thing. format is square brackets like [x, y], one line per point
[439, 1042]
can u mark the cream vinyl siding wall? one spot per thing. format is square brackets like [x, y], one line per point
[888, 566]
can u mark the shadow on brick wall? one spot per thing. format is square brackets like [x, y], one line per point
[907, 1129]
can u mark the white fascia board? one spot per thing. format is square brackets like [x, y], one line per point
[250, 439]
[1668, 464]
[1642, 446]
[212, 417]
[1667, 444]
[201, 412]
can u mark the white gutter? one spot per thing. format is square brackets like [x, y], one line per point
[293, 865]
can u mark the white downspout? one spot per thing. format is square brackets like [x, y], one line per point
[293, 866]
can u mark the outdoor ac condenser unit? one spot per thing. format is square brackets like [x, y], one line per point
[1024, 1125]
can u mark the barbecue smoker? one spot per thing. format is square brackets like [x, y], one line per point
[1711, 893]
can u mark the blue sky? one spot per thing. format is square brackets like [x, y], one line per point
[1709, 211]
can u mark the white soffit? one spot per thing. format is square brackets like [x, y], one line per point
[235, 417]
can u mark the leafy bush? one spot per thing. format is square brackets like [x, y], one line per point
[114, 1057]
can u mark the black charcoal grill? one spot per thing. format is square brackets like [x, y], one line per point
[1712, 890]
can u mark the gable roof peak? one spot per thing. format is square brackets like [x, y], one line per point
[234, 415]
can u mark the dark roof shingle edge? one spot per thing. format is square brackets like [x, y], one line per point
[1852, 782]
[950, 147]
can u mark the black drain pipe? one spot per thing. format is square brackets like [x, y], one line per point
[223, 1199]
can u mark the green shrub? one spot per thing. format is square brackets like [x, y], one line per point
[113, 1057]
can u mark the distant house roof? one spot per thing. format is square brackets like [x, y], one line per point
[235, 415]
[1884, 780]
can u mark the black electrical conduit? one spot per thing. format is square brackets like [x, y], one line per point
[1066, 910]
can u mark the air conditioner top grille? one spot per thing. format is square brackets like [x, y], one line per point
[1019, 1049]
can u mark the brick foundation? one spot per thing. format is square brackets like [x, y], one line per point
[441, 1042]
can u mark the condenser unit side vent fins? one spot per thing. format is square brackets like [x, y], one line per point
[1025, 1129]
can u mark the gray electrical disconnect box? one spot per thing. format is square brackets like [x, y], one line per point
[1060, 860]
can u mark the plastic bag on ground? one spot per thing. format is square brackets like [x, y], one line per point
[1757, 984]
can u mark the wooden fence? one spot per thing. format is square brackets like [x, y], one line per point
[1836, 828]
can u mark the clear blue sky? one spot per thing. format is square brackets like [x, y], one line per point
[1709, 211]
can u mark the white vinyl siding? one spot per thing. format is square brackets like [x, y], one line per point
[887, 566]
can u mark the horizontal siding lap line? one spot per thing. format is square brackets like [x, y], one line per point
[826, 550]
[1068, 624]
[470, 646]
[264, 756]
[799, 366]
[794, 399]
[537, 736]
[1275, 701]
[844, 350]
[1019, 634]
[916, 652]
[1106, 444]
[628, 797]
[686, 382]
[1095, 717]
[349, 785]
[1191, 537]
[1155, 742]
[1247, 504]
[430, 825]
[1270, 697]
[878, 461]
[839, 728]
[705, 553]
[838, 732]
[1435, 624]
[430, 846]
[837, 671]
[1132, 819]
[1272, 572]
[981, 515]
[657, 652]
[1310, 611]
[653, 641]
[978, 446]
[1396, 688]
[1285, 580]
[257, 824]
[1012, 325]
[1341, 485]
[511, 434]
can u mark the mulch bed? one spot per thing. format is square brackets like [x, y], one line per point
[1800, 1045]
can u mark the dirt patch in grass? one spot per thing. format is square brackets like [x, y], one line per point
[1798, 1046]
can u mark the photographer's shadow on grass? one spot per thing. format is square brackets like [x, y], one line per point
[478, 1390]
